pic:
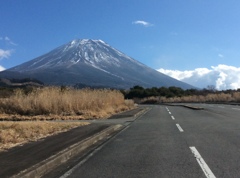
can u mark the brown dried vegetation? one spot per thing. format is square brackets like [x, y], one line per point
[15, 133]
[208, 98]
[58, 103]
[53, 103]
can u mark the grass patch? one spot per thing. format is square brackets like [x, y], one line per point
[15, 133]
[51, 103]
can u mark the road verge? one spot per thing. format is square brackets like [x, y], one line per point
[47, 165]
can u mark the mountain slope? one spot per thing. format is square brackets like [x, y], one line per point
[91, 63]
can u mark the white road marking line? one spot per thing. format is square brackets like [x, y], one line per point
[170, 113]
[220, 106]
[207, 171]
[173, 118]
[179, 128]
[236, 108]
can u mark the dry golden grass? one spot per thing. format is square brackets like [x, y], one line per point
[55, 103]
[213, 97]
[236, 96]
[15, 133]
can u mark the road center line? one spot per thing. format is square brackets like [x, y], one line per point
[170, 113]
[179, 128]
[236, 108]
[207, 171]
[173, 118]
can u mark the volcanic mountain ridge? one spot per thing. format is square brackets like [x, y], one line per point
[91, 63]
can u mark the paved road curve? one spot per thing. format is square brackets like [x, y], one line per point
[171, 141]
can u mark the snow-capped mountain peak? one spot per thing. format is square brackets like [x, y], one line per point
[94, 63]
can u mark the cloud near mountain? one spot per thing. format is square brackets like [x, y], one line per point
[222, 76]
[2, 68]
[5, 53]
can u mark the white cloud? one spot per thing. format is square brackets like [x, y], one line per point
[220, 55]
[6, 38]
[144, 23]
[9, 41]
[222, 76]
[2, 68]
[5, 53]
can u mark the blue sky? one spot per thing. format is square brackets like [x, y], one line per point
[171, 35]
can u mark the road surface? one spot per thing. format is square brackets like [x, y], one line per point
[170, 141]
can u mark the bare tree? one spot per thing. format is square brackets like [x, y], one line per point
[211, 88]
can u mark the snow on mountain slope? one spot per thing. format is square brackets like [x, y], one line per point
[92, 52]
[92, 63]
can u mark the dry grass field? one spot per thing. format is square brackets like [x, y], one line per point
[15, 133]
[52, 103]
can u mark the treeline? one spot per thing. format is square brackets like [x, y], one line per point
[26, 80]
[8, 86]
[176, 94]
[19, 82]
[140, 92]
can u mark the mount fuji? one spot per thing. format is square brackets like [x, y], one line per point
[91, 63]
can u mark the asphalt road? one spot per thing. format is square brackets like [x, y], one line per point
[170, 141]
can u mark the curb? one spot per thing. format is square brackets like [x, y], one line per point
[128, 113]
[47, 165]
[142, 112]
[186, 106]
[191, 107]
